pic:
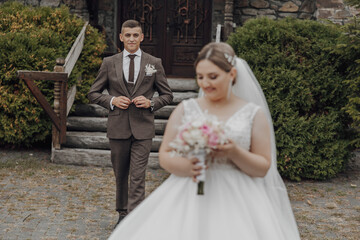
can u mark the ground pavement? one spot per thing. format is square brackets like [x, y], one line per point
[42, 200]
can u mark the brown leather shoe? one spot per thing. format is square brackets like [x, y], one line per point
[122, 215]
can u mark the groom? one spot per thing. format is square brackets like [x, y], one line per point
[131, 78]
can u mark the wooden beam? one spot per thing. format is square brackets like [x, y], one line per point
[75, 51]
[43, 102]
[63, 103]
[47, 76]
[70, 99]
[58, 88]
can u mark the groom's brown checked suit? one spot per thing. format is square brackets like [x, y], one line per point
[130, 130]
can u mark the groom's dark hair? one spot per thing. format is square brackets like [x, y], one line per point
[130, 24]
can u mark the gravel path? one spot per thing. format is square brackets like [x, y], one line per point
[41, 200]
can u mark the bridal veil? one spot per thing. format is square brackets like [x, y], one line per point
[248, 88]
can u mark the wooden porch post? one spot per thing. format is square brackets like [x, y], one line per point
[228, 18]
[57, 91]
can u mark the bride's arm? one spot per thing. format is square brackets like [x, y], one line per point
[177, 165]
[257, 161]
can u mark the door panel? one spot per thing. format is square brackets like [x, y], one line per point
[174, 30]
[190, 21]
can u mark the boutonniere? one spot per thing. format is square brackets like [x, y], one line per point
[150, 69]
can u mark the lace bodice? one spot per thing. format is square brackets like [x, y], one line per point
[238, 126]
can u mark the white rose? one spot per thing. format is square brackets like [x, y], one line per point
[196, 123]
[202, 142]
[196, 134]
[186, 148]
[188, 138]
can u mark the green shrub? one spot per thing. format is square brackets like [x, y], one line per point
[32, 39]
[304, 81]
[349, 50]
[355, 3]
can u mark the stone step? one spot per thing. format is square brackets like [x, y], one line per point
[164, 112]
[97, 140]
[92, 157]
[86, 137]
[91, 124]
[179, 85]
[90, 110]
[180, 96]
[99, 124]
[182, 89]
[94, 110]
[182, 84]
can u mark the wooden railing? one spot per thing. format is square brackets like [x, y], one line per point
[63, 99]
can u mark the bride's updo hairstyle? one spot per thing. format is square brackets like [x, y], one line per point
[220, 54]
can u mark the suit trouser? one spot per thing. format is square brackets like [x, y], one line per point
[129, 157]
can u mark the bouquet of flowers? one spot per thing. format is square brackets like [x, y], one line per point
[196, 138]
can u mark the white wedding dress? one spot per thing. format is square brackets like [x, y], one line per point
[234, 206]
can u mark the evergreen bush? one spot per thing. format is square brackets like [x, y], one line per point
[355, 3]
[349, 51]
[304, 81]
[32, 39]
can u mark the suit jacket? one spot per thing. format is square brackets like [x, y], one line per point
[138, 122]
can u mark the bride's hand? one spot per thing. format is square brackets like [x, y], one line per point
[225, 150]
[194, 169]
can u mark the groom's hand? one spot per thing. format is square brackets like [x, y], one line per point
[121, 102]
[141, 102]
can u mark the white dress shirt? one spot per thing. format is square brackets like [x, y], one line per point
[126, 63]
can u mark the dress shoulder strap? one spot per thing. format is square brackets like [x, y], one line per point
[191, 109]
[253, 109]
[247, 113]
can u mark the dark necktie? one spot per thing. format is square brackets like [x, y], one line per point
[131, 68]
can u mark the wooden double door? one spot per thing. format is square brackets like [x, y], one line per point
[174, 30]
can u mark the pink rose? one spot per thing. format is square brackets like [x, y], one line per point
[181, 135]
[206, 130]
[185, 129]
[213, 140]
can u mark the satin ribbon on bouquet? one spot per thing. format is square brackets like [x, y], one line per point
[201, 156]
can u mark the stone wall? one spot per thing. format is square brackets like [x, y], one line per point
[334, 10]
[108, 20]
[217, 16]
[76, 6]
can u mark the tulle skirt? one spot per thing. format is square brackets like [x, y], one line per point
[234, 206]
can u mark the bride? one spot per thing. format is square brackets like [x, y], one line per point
[245, 197]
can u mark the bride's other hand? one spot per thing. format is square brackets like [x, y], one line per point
[226, 150]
